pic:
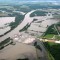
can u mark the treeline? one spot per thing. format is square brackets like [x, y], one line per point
[18, 20]
[54, 49]
[51, 30]
[25, 27]
[38, 13]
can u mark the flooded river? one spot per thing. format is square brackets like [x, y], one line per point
[26, 20]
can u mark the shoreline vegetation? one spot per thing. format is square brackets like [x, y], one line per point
[5, 43]
[13, 25]
[25, 27]
[52, 48]
[38, 13]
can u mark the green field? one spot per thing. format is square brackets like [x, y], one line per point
[48, 36]
[52, 48]
[51, 32]
[57, 37]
